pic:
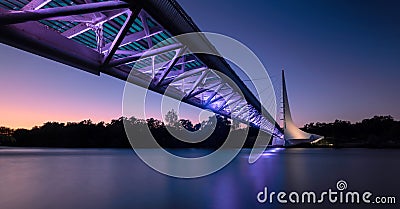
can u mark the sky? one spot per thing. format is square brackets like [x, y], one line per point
[341, 61]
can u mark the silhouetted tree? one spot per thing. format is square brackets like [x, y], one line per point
[6, 138]
[172, 118]
[375, 132]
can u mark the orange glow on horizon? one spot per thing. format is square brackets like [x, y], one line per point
[25, 117]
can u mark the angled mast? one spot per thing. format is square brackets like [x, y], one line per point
[292, 134]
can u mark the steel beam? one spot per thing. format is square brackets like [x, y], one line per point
[188, 74]
[197, 82]
[73, 18]
[175, 78]
[109, 15]
[35, 4]
[231, 103]
[126, 52]
[226, 101]
[143, 18]
[94, 15]
[222, 97]
[99, 37]
[161, 65]
[136, 37]
[244, 110]
[159, 79]
[144, 54]
[239, 106]
[13, 17]
[121, 34]
[214, 94]
[203, 90]
[76, 30]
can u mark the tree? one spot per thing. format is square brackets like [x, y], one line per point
[187, 124]
[6, 131]
[172, 118]
[6, 136]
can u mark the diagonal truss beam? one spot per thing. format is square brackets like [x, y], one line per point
[143, 17]
[239, 106]
[226, 101]
[76, 30]
[121, 34]
[144, 54]
[162, 65]
[169, 66]
[197, 82]
[220, 97]
[188, 74]
[203, 90]
[213, 95]
[243, 109]
[238, 100]
[136, 37]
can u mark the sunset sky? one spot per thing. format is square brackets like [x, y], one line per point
[342, 61]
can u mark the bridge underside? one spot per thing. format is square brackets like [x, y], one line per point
[118, 37]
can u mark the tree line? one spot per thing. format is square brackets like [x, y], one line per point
[378, 131]
[86, 134]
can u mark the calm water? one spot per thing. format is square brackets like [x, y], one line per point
[114, 178]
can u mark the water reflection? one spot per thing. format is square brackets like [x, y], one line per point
[107, 178]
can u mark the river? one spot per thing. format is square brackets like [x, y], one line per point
[116, 178]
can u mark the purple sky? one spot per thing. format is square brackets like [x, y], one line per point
[342, 60]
